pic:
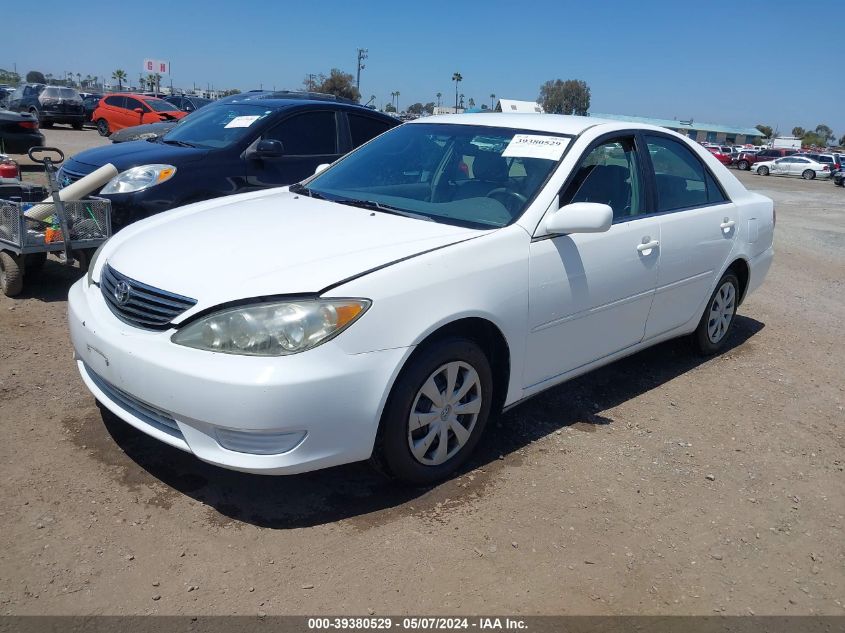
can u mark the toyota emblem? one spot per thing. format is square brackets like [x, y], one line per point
[122, 292]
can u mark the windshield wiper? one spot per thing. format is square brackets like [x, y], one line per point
[298, 187]
[179, 143]
[383, 208]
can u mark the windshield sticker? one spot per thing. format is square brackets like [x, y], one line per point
[243, 121]
[536, 146]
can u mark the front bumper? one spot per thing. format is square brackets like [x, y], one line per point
[200, 401]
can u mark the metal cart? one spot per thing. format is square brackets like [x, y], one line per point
[72, 231]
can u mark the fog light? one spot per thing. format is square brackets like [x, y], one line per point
[259, 442]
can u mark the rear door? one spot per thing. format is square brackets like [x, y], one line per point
[309, 139]
[697, 231]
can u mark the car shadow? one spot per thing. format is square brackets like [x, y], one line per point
[353, 491]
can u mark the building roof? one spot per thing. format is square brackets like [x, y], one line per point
[520, 107]
[682, 125]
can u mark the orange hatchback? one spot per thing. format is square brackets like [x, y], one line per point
[117, 111]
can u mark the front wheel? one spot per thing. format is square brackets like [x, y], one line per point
[763, 171]
[436, 412]
[743, 165]
[808, 174]
[715, 324]
[103, 127]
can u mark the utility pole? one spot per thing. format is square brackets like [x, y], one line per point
[362, 55]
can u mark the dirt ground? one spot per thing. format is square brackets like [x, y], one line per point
[662, 484]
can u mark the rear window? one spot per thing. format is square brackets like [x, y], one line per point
[160, 105]
[57, 92]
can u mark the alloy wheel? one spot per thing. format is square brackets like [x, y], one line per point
[722, 310]
[444, 413]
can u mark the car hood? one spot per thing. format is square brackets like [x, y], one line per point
[278, 243]
[126, 155]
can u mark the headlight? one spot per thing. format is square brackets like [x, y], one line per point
[139, 178]
[90, 274]
[272, 329]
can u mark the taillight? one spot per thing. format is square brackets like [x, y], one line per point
[29, 125]
[825, 168]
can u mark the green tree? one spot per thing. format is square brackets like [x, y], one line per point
[565, 97]
[36, 77]
[825, 132]
[842, 141]
[339, 84]
[765, 130]
[415, 108]
[389, 108]
[9, 77]
[429, 107]
[231, 91]
[119, 76]
[471, 102]
[798, 132]
[492, 101]
[457, 78]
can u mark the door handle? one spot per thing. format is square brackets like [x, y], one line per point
[727, 223]
[647, 246]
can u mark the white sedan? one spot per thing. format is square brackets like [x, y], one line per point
[795, 165]
[387, 307]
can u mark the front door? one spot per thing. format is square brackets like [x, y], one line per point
[309, 139]
[590, 294]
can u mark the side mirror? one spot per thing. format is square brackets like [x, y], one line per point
[580, 217]
[139, 110]
[267, 148]
[321, 168]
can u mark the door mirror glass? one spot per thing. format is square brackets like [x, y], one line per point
[321, 168]
[139, 110]
[580, 217]
[268, 148]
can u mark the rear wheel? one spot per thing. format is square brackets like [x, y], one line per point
[11, 274]
[436, 412]
[77, 125]
[743, 165]
[712, 331]
[763, 171]
[808, 174]
[103, 127]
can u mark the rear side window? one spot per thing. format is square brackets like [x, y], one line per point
[116, 102]
[131, 104]
[308, 134]
[681, 179]
[364, 128]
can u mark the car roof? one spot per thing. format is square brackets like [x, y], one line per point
[555, 123]
[279, 100]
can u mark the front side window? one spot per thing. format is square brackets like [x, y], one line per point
[469, 175]
[307, 134]
[131, 104]
[681, 179]
[610, 175]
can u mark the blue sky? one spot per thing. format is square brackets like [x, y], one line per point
[665, 59]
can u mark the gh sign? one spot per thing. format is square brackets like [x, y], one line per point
[157, 66]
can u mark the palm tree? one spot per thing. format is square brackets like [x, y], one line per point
[462, 101]
[439, 94]
[456, 77]
[397, 101]
[79, 79]
[492, 100]
[49, 78]
[120, 75]
[471, 102]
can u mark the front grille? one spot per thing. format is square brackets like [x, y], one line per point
[139, 304]
[156, 418]
[67, 176]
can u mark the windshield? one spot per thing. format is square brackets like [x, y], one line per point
[216, 126]
[53, 92]
[470, 175]
[160, 105]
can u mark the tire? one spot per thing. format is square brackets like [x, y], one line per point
[763, 171]
[11, 274]
[715, 325]
[743, 165]
[808, 174]
[103, 127]
[77, 125]
[430, 371]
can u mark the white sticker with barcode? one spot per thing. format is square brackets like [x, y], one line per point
[536, 146]
[243, 121]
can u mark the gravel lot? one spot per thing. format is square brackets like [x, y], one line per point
[662, 484]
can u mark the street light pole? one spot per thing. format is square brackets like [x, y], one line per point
[362, 55]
